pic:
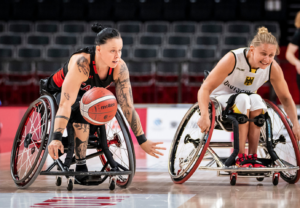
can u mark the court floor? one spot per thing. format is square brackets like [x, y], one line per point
[151, 187]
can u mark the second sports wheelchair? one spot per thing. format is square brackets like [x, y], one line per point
[30, 149]
[278, 149]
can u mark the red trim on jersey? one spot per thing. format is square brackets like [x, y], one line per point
[59, 77]
[110, 69]
[95, 69]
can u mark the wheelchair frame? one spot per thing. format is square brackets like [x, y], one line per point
[47, 101]
[274, 168]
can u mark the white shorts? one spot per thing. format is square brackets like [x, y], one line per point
[243, 102]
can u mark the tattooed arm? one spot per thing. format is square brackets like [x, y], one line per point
[78, 72]
[125, 99]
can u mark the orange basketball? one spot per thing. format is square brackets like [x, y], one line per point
[98, 106]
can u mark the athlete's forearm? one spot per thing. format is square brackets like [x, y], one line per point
[291, 58]
[291, 110]
[62, 118]
[203, 100]
[134, 121]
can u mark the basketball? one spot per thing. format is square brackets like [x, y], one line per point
[98, 106]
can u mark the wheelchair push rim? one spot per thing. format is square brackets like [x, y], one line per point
[185, 144]
[282, 127]
[29, 148]
[119, 143]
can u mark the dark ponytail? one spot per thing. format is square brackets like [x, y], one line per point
[104, 34]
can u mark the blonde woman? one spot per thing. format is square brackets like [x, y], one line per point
[293, 47]
[241, 72]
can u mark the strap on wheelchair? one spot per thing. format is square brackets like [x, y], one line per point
[235, 125]
[70, 152]
[269, 138]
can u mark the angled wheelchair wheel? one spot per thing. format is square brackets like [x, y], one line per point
[29, 150]
[120, 145]
[189, 145]
[284, 143]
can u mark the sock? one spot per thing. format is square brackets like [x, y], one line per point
[81, 165]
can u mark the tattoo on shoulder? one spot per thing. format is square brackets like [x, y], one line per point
[83, 66]
[67, 96]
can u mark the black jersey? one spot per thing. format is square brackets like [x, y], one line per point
[56, 80]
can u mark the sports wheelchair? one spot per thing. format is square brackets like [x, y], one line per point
[30, 149]
[278, 149]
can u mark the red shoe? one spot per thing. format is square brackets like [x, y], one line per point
[255, 162]
[242, 161]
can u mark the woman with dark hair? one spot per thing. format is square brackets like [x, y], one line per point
[90, 67]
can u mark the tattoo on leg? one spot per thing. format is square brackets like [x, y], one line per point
[67, 96]
[62, 117]
[85, 127]
[83, 65]
[80, 148]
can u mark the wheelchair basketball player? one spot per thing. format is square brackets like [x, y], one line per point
[90, 67]
[234, 82]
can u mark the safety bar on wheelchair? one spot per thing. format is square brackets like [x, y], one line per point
[90, 173]
[238, 169]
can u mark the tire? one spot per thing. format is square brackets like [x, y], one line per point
[123, 154]
[183, 139]
[287, 152]
[36, 126]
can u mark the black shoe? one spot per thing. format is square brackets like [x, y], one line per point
[79, 178]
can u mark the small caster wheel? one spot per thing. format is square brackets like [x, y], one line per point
[70, 185]
[112, 183]
[58, 181]
[276, 179]
[233, 179]
[260, 179]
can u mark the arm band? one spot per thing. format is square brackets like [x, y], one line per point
[57, 136]
[141, 139]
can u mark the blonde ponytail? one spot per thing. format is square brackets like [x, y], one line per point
[264, 36]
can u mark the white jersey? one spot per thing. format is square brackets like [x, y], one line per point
[242, 78]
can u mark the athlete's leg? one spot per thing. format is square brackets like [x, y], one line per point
[242, 106]
[254, 132]
[81, 136]
[257, 107]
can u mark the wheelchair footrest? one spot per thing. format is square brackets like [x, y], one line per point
[90, 173]
[237, 169]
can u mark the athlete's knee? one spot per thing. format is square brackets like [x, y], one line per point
[242, 104]
[84, 128]
[257, 103]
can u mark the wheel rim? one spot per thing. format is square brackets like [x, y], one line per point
[29, 144]
[189, 146]
[119, 148]
[286, 152]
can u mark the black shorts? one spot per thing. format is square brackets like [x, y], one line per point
[76, 116]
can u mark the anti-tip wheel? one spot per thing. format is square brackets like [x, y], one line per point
[58, 181]
[260, 179]
[112, 183]
[70, 185]
[233, 179]
[276, 179]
